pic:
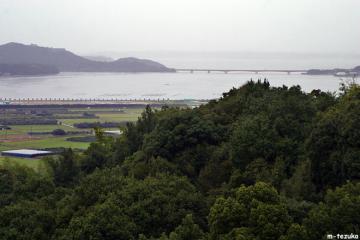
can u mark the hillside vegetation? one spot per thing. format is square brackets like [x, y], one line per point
[259, 163]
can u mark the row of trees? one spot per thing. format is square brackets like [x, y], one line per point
[259, 163]
[99, 124]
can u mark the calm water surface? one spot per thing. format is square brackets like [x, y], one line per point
[149, 85]
[181, 85]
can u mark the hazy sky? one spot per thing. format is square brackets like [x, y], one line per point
[86, 26]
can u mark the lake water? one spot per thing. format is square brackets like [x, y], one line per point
[178, 85]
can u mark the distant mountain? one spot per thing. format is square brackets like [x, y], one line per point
[26, 69]
[65, 61]
[335, 71]
[99, 58]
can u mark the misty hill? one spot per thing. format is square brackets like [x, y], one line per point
[99, 58]
[66, 61]
[26, 69]
[335, 71]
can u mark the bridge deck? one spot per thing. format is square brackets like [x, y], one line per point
[239, 70]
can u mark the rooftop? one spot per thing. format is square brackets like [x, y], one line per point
[113, 132]
[26, 152]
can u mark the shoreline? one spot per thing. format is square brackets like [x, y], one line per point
[96, 103]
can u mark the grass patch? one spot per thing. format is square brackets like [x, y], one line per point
[18, 138]
[51, 142]
[24, 129]
[130, 115]
[124, 117]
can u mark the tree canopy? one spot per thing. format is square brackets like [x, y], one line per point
[259, 163]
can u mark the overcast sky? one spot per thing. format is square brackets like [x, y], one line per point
[86, 26]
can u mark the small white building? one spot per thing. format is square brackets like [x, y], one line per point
[26, 153]
[113, 133]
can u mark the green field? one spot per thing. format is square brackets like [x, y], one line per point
[51, 142]
[25, 129]
[129, 115]
[18, 137]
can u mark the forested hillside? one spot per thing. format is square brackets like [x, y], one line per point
[259, 163]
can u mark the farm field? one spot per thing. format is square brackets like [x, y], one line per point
[44, 143]
[25, 129]
[105, 115]
[35, 136]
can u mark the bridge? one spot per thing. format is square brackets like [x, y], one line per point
[288, 71]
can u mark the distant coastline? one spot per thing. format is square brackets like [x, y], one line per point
[338, 72]
[20, 70]
[18, 59]
[21, 59]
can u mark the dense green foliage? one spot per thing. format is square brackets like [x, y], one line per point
[259, 163]
[58, 132]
